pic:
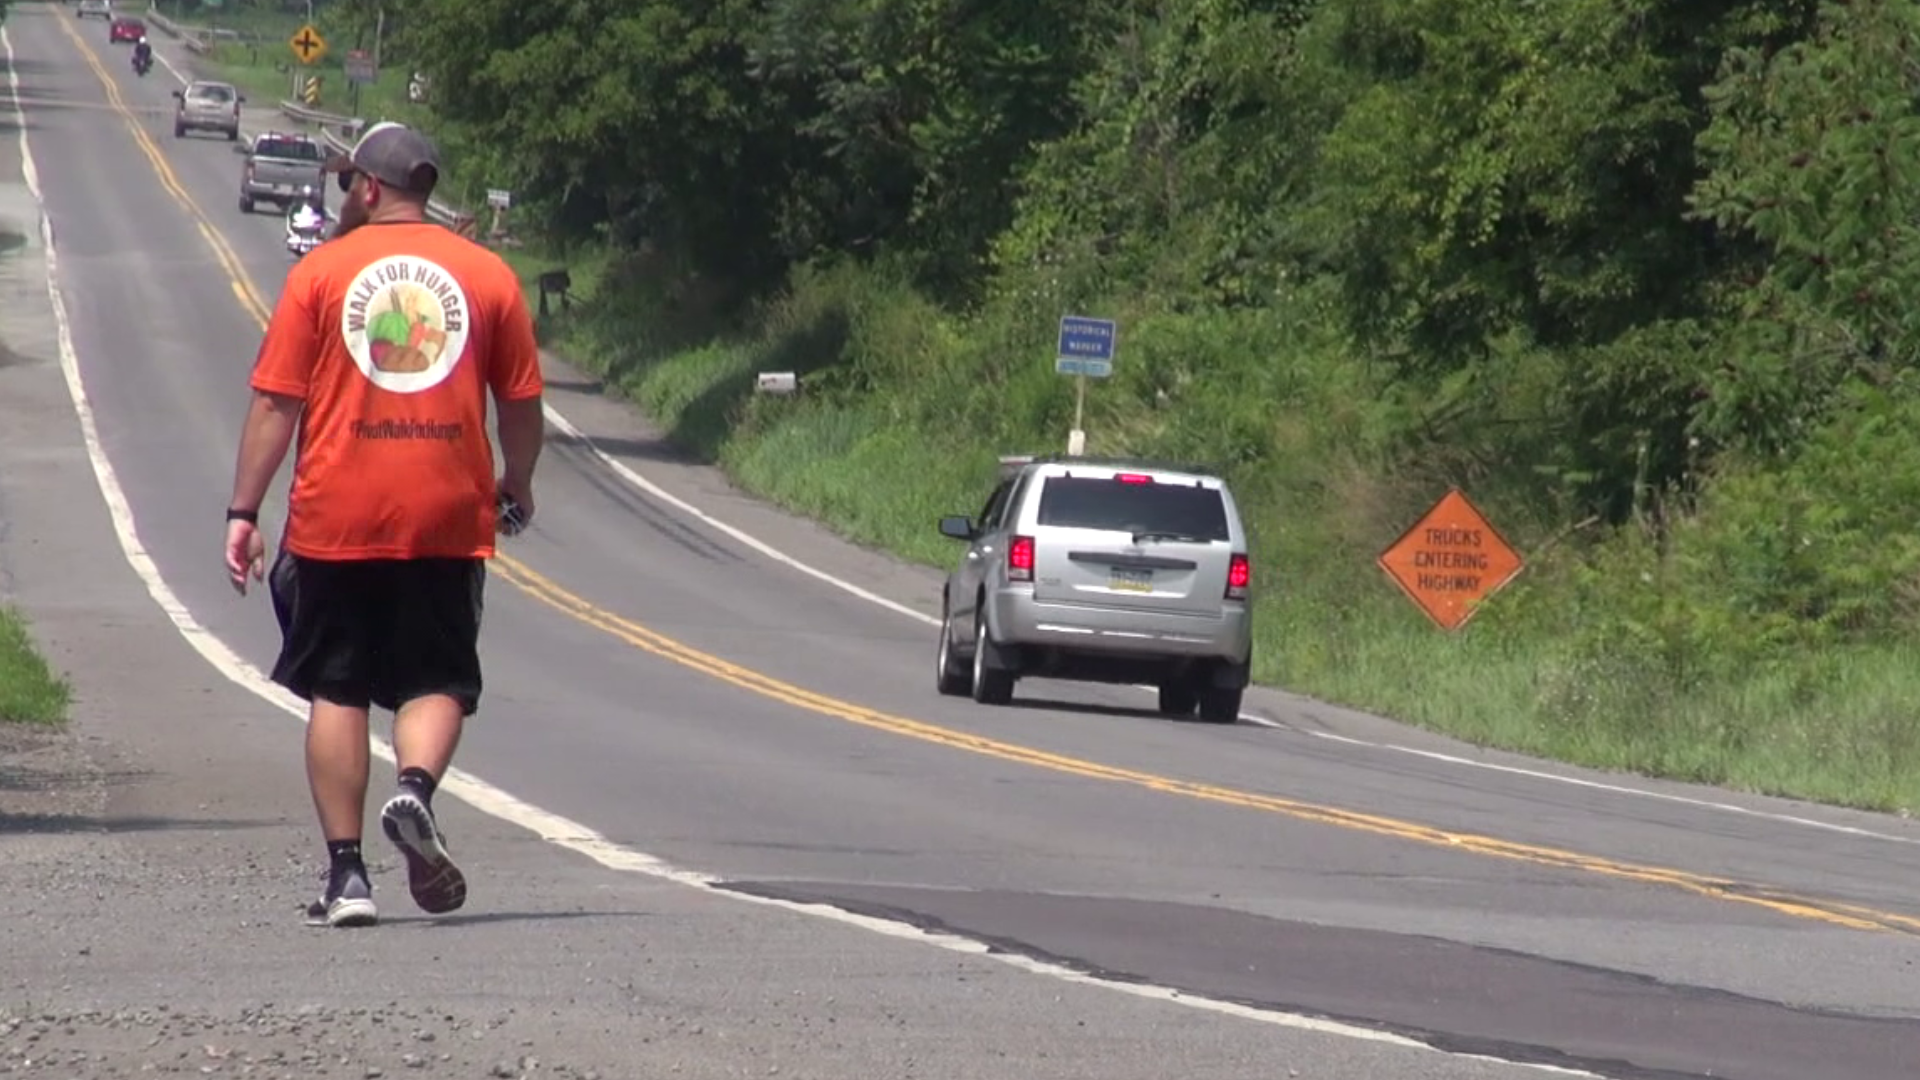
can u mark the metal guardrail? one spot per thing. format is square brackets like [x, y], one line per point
[197, 39]
[293, 110]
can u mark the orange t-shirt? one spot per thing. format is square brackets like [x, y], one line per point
[393, 335]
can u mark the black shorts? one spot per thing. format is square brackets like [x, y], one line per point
[378, 632]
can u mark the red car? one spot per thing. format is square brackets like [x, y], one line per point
[126, 30]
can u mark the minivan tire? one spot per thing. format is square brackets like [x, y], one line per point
[1178, 699]
[1220, 704]
[991, 685]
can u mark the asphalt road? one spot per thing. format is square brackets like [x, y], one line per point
[681, 693]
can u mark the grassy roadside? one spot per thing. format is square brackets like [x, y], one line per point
[1602, 655]
[30, 693]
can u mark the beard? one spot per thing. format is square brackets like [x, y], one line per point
[353, 213]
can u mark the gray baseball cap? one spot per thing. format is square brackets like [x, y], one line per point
[394, 154]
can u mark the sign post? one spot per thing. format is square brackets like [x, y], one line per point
[1450, 561]
[1086, 350]
[360, 70]
[499, 200]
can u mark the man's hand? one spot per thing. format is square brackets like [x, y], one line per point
[246, 554]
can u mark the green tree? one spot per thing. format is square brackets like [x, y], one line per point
[1520, 174]
[1527, 165]
[1813, 151]
[1185, 177]
[920, 114]
[633, 122]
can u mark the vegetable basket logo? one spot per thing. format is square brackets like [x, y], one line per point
[405, 323]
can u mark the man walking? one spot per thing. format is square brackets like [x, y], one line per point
[381, 353]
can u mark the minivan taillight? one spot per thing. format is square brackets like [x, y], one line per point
[1133, 478]
[1239, 576]
[1020, 559]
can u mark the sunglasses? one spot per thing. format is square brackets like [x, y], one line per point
[345, 179]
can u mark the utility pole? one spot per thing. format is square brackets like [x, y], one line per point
[379, 30]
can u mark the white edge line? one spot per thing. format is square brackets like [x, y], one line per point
[168, 64]
[550, 827]
[627, 473]
[1617, 789]
[624, 472]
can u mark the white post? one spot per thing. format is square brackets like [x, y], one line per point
[1077, 438]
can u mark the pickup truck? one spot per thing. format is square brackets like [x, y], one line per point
[279, 166]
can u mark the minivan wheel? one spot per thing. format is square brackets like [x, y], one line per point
[1220, 704]
[1178, 699]
[991, 686]
[950, 673]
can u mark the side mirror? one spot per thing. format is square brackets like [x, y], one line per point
[180, 94]
[959, 526]
[241, 98]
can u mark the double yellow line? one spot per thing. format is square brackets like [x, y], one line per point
[237, 276]
[553, 595]
[548, 592]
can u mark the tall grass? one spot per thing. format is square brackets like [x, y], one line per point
[30, 693]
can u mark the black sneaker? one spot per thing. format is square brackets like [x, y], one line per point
[348, 901]
[437, 885]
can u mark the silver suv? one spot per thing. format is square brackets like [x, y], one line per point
[1101, 570]
[204, 105]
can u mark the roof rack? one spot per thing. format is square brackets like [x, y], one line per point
[1014, 462]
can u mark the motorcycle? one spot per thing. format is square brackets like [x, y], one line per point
[301, 240]
[142, 64]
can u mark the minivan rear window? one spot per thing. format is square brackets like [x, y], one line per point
[1079, 502]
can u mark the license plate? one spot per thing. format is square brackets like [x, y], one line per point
[1129, 580]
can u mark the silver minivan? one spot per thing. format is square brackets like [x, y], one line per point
[1101, 570]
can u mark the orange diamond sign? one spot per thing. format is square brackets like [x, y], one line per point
[1450, 561]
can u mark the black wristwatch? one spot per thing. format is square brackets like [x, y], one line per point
[251, 517]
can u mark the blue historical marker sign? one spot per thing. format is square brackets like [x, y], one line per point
[1086, 346]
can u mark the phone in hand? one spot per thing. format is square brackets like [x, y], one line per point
[513, 518]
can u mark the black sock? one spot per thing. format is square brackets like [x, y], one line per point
[419, 781]
[345, 856]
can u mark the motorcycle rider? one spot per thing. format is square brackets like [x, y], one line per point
[142, 52]
[308, 218]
